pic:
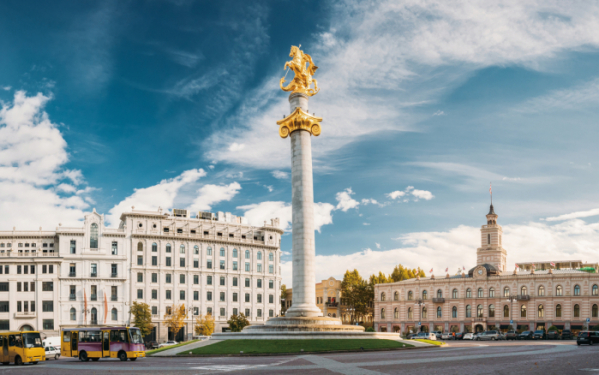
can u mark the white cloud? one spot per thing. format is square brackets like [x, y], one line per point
[269, 188]
[235, 147]
[378, 245]
[345, 200]
[66, 188]
[280, 175]
[6, 88]
[211, 194]
[439, 113]
[367, 201]
[258, 213]
[415, 193]
[422, 194]
[366, 224]
[396, 194]
[150, 198]
[574, 215]
[580, 96]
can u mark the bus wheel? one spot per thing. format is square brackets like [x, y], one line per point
[83, 356]
[133, 359]
[122, 356]
[6, 363]
[18, 361]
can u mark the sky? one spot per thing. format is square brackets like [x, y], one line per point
[173, 104]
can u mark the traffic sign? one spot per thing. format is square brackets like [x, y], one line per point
[419, 324]
[588, 320]
[511, 322]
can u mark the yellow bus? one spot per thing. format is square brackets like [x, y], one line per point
[21, 347]
[102, 342]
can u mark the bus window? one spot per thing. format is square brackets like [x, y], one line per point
[66, 337]
[32, 340]
[11, 340]
[135, 336]
[18, 341]
[114, 336]
[122, 336]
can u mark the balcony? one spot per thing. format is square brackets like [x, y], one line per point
[113, 298]
[439, 300]
[523, 297]
[93, 274]
[114, 274]
[332, 304]
[25, 315]
[94, 322]
[479, 320]
[94, 297]
[72, 297]
[72, 274]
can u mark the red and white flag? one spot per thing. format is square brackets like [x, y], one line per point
[516, 265]
[534, 267]
[431, 270]
[552, 264]
[447, 269]
[491, 188]
[463, 268]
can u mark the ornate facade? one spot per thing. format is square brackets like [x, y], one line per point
[535, 295]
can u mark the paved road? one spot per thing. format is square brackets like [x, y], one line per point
[461, 357]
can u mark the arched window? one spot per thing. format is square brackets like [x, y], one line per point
[410, 314]
[439, 312]
[559, 291]
[270, 257]
[454, 294]
[594, 311]
[454, 312]
[168, 247]
[196, 249]
[93, 236]
[480, 292]
[506, 311]
[396, 314]
[424, 313]
[491, 293]
[208, 250]
[382, 313]
[491, 311]
[523, 291]
[247, 254]
[479, 311]
[222, 251]
[506, 292]
[234, 253]
[541, 291]
[140, 246]
[182, 249]
[115, 314]
[94, 315]
[424, 294]
[439, 293]
[154, 247]
[259, 255]
[468, 311]
[382, 296]
[396, 296]
[73, 314]
[410, 295]
[576, 290]
[523, 311]
[576, 311]
[541, 311]
[558, 311]
[468, 293]
[595, 291]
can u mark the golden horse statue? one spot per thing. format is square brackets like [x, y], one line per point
[303, 80]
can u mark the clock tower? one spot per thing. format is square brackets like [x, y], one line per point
[491, 251]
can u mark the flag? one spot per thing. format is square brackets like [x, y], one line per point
[431, 270]
[85, 305]
[447, 269]
[105, 307]
[463, 268]
[552, 264]
[490, 188]
[534, 267]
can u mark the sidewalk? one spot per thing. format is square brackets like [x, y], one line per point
[184, 348]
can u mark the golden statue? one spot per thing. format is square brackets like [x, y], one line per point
[303, 76]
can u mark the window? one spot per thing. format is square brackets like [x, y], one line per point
[115, 248]
[577, 290]
[154, 294]
[222, 311]
[208, 250]
[140, 277]
[196, 263]
[439, 312]
[47, 306]
[396, 296]
[468, 311]
[410, 314]
[154, 260]
[506, 311]
[247, 266]
[93, 236]
[523, 291]
[182, 249]
[488, 239]
[259, 267]
[247, 297]
[208, 280]
[410, 295]
[234, 253]
[196, 295]
[18, 270]
[140, 260]
[576, 311]
[271, 298]
[506, 292]
[47, 286]
[182, 295]
[4, 287]
[196, 250]
[222, 251]
[168, 295]
[468, 293]
[72, 270]
[168, 278]
[222, 264]
[168, 247]
[181, 262]
[209, 296]
[209, 311]
[209, 264]
[541, 311]
[222, 296]
[154, 247]
[439, 293]
[594, 311]
[270, 257]
[247, 282]
[50, 269]
[454, 312]
[595, 290]
[480, 292]
[140, 293]
[259, 283]
[222, 281]
[234, 281]
[479, 311]
[44, 269]
[73, 313]
[181, 279]
[48, 324]
[454, 293]
[196, 279]
[541, 291]
[382, 313]
[154, 310]
[168, 262]
[559, 291]
[247, 254]
[259, 255]
[491, 292]
[558, 311]
[114, 314]
[140, 246]
[383, 296]
[523, 311]
[235, 265]
[114, 293]
[491, 311]
[424, 313]
[169, 310]
[424, 294]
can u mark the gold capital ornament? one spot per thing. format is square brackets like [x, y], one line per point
[301, 83]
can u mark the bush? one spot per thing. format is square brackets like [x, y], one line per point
[595, 328]
[369, 329]
[553, 328]
[238, 322]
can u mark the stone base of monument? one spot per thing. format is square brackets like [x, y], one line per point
[288, 328]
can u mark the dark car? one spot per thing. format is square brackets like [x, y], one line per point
[588, 337]
[539, 335]
[459, 335]
[151, 345]
[553, 335]
[511, 335]
[567, 334]
[526, 335]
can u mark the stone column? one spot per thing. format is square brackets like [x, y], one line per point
[338, 300]
[302, 201]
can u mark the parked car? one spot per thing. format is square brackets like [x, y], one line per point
[437, 333]
[539, 335]
[411, 336]
[446, 336]
[475, 335]
[468, 336]
[151, 345]
[490, 335]
[567, 334]
[511, 335]
[168, 343]
[459, 335]
[587, 337]
[526, 335]
[553, 335]
[52, 352]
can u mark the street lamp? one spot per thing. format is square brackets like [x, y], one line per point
[511, 298]
[420, 303]
[283, 309]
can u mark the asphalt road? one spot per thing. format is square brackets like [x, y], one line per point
[461, 357]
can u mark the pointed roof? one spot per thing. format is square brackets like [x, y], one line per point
[491, 211]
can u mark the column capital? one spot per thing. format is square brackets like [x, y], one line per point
[299, 120]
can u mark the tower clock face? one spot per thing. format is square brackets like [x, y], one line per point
[480, 272]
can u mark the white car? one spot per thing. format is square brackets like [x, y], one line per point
[446, 336]
[52, 352]
[468, 336]
[168, 343]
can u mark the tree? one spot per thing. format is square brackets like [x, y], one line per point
[381, 278]
[142, 318]
[176, 320]
[358, 295]
[204, 325]
[401, 273]
[238, 322]
[284, 294]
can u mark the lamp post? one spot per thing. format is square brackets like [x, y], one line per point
[420, 303]
[283, 307]
[511, 298]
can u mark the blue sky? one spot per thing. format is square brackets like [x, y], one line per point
[109, 105]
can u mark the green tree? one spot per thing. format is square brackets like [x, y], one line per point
[358, 295]
[176, 320]
[381, 278]
[204, 325]
[142, 317]
[238, 322]
[284, 294]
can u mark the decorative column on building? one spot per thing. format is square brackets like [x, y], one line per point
[338, 300]
[325, 306]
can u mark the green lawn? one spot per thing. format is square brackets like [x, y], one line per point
[294, 346]
[150, 352]
[430, 341]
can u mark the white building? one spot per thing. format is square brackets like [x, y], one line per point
[90, 275]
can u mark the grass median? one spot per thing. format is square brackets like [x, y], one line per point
[294, 346]
[433, 342]
[150, 352]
